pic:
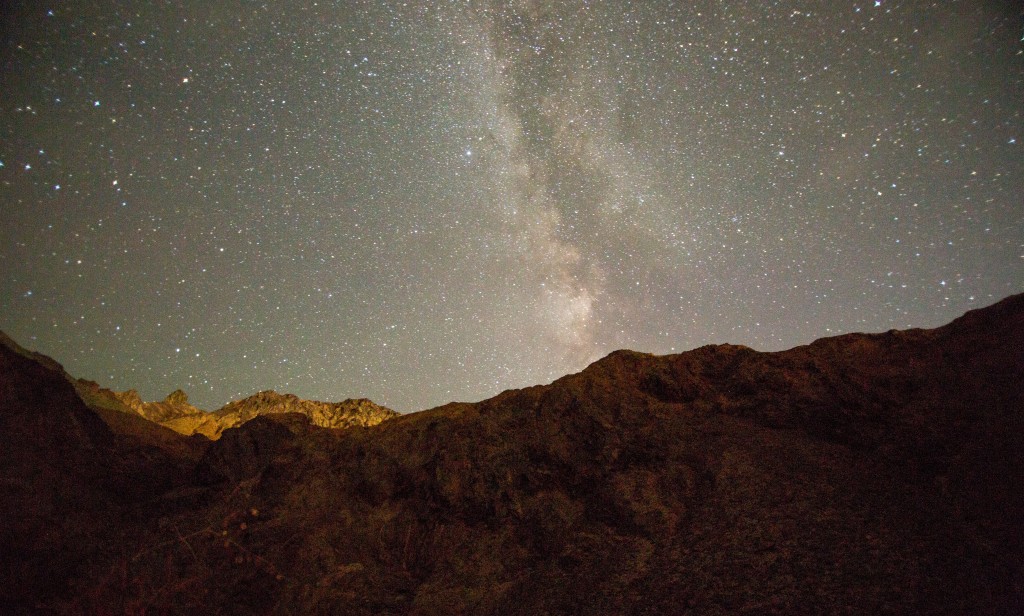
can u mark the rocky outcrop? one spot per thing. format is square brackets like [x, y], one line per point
[174, 406]
[241, 454]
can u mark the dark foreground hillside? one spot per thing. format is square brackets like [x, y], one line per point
[862, 474]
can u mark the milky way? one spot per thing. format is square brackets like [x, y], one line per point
[423, 202]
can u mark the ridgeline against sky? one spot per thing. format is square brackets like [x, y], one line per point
[431, 201]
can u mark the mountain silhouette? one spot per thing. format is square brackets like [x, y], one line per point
[860, 474]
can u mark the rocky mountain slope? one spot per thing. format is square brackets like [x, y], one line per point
[361, 412]
[174, 406]
[176, 413]
[862, 474]
[70, 485]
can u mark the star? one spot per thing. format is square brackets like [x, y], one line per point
[502, 195]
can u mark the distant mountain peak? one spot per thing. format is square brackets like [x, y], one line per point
[176, 397]
[176, 413]
[351, 412]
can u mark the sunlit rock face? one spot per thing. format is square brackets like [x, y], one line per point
[861, 474]
[176, 413]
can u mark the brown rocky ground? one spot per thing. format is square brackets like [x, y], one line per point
[863, 474]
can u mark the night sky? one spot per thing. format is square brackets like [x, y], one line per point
[422, 202]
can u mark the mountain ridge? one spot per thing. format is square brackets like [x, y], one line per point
[176, 413]
[863, 473]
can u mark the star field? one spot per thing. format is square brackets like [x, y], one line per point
[422, 202]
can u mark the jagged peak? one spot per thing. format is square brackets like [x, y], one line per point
[176, 397]
[130, 397]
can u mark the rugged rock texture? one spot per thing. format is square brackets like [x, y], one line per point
[360, 412]
[174, 406]
[177, 414]
[863, 474]
[134, 431]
